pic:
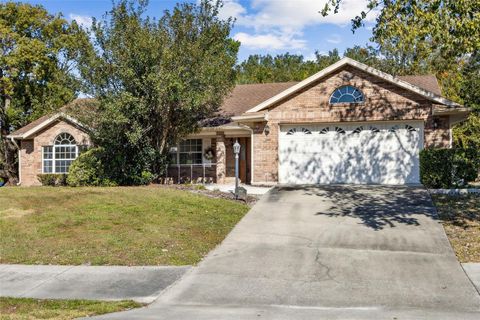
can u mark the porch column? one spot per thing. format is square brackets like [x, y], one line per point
[221, 166]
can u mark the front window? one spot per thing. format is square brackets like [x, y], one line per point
[347, 94]
[188, 152]
[59, 157]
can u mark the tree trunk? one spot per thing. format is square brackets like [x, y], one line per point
[8, 149]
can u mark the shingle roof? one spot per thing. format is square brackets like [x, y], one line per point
[247, 96]
[428, 82]
[29, 126]
[73, 108]
[242, 98]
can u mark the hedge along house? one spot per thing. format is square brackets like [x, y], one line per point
[348, 123]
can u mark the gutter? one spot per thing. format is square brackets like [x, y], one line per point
[451, 111]
[250, 118]
[12, 138]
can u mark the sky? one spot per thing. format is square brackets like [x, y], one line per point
[262, 26]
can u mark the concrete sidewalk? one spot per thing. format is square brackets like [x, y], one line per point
[142, 284]
[473, 272]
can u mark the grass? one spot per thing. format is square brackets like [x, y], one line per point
[31, 309]
[111, 226]
[461, 220]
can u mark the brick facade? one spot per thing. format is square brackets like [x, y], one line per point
[31, 150]
[383, 101]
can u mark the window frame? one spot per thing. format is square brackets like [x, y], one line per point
[342, 94]
[177, 151]
[53, 160]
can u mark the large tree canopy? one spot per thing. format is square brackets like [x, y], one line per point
[156, 80]
[468, 133]
[290, 67]
[39, 51]
[414, 29]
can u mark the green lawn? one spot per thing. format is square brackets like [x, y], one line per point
[461, 219]
[32, 309]
[111, 226]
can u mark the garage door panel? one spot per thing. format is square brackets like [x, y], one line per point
[380, 153]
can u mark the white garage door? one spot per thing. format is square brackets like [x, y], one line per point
[376, 153]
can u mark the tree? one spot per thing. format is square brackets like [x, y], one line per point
[282, 68]
[423, 36]
[156, 80]
[411, 30]
[467, 134]
[39, 51]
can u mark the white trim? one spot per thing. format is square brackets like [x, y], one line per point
[54, 158]
[252, 155]
[347, 61]
[450, 135]
[47, 122]
[347, 122]
[255, 117]
[19, 166]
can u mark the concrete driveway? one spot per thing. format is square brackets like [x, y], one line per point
[333, 252]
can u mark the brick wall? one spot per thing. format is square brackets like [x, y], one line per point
[383, 101]
[31, 150]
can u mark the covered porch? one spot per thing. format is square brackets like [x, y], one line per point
[208, 157]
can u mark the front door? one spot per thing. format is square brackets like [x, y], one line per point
[244, 162]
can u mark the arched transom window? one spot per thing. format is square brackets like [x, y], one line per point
[59, 157]
[65, 139]
[346, 94]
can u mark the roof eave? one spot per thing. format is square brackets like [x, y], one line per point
[250, 118]
[451, 111]
[47, 122]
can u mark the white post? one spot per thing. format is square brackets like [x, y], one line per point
[236, 150]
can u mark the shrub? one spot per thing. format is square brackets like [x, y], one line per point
[447, 168]
[88, 170]
[145, 178]
[52, 179]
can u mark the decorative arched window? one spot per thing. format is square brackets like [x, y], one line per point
[59, 157]
[358, 130]
[374, 129]
[346, 94]
[339, 130]
[410, 128]
[291, 131]
[64, 139]
[306, 131]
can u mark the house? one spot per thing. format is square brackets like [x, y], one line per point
[348, 123]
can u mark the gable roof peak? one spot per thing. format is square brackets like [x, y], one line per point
[435, 97]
